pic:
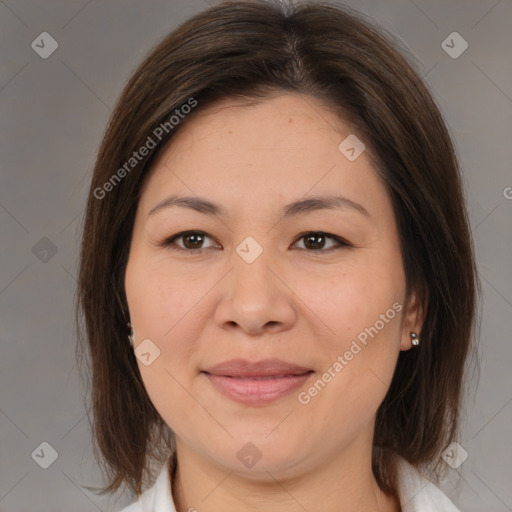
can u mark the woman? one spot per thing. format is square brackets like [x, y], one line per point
[276, 223]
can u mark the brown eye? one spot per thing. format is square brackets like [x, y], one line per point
[316, 241]
[191, 241]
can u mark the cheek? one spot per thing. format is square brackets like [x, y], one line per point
[360, 351]
[159, 299]
[160, 311]
[359, 316]
[166, 308]
[362, 297]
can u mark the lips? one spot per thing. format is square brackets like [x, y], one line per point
[242, 368]
[257, 383]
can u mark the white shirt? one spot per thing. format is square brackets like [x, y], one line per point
[415, 492]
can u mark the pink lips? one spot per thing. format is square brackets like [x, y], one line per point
[257, 383]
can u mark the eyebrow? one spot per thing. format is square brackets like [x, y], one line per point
[301, 206]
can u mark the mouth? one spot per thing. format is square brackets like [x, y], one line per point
[257, 383]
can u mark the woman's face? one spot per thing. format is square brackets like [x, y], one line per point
[276, 269]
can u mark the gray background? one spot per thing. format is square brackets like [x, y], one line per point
[52, 115]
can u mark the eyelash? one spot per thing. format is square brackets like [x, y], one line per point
[170, 242]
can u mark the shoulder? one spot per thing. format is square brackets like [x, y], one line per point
[418, 494]
[145, 502]
[157, 498]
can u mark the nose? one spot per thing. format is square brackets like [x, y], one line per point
[255, 298]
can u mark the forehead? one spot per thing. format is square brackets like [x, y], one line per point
[288, 114]
[286, 145]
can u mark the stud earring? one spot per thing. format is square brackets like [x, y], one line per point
[414, 339]
[130, 336]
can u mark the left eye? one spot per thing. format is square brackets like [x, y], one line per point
[192, 241]
[317, 240]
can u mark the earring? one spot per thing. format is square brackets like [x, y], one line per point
[130, 336]
[414, 339]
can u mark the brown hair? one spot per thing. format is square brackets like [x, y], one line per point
[248, 50]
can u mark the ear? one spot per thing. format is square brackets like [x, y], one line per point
[413, 319]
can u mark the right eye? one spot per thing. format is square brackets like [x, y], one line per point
[191, 242]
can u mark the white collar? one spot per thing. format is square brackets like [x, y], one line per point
[416, 493]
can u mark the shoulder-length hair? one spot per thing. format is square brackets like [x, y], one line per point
[249, 50]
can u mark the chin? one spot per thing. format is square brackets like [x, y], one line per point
[257, 455]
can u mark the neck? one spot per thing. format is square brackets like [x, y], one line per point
[336, 484]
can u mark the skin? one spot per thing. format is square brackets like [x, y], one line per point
[295, 302]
